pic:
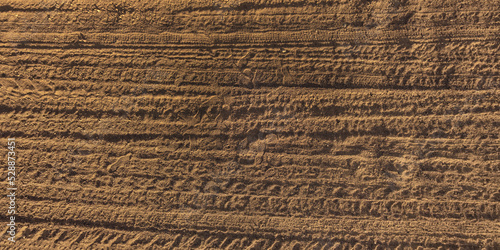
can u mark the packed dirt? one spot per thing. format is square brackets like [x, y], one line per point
[252, 124]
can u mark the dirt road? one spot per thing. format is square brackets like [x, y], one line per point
[252, 124]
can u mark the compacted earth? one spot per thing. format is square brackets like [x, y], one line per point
[251, 124]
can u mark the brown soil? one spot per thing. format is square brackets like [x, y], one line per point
[252, 124]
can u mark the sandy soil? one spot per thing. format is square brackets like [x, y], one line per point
[252, 124]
